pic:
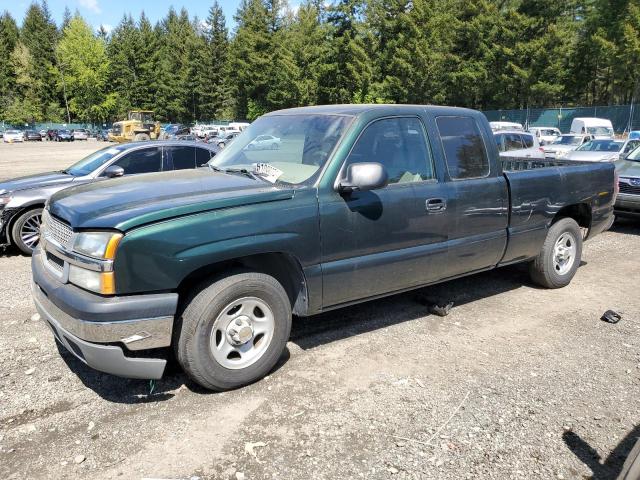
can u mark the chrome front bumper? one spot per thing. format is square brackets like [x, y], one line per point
[99, 330]
[137, 334]
[105, 358]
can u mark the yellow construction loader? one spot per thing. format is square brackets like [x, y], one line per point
[138, 127]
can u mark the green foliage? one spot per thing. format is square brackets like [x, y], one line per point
[476, 53]
[83, 69]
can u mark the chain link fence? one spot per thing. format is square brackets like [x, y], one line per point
[623, 117]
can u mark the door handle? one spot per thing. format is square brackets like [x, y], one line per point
[435, 205]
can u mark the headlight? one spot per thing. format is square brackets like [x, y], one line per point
[98, 244]
[4, 200]
[99, 282]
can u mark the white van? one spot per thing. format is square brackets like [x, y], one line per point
[496, 126]
[545, 135]
[598, 127]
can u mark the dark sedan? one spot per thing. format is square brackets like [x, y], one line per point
[22, 199]
[32, 136]
[64, 136]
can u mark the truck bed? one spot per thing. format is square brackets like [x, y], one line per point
[514, 164]
[539, 189]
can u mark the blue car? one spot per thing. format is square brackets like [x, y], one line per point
[634, 134]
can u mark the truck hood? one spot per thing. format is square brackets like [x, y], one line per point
[35, 181]
[137, 200]
[585, 156]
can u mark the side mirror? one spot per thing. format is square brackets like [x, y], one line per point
[623, 155]
[364, 177]
[114, 171]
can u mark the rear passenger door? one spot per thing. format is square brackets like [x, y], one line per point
[479, 204]
[181, 157]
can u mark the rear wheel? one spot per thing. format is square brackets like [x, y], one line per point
[232, 332]
[559, 259]
[26, 230]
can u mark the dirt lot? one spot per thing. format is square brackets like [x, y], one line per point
[517, 382]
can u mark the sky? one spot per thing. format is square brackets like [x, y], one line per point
[110, 12]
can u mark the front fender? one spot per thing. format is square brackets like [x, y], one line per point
[160, 256]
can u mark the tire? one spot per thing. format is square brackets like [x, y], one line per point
[559, 259]
[205, 344]
[142, 137]
[25, 232]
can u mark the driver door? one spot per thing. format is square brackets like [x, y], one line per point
[385, 240]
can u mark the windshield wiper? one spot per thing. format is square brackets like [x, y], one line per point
[241, 171]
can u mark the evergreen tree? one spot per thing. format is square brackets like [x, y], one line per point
[347, 72]
[8, 41]
[250, 58]
[40, 35]
[215, 79]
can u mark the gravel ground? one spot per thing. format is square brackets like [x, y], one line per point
[17, 159]
[516, 382]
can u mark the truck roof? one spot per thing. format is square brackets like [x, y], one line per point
[354, 110]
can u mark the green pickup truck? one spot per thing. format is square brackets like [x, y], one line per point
[308, 210]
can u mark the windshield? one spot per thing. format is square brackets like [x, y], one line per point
[634, 155]
[601, 146]
[600, 131]
[289, 148]
[568, 140]
[93, 161]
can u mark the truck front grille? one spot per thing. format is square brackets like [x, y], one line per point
[629, 189]
[54, 229]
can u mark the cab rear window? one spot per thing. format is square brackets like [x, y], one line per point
[463, 146]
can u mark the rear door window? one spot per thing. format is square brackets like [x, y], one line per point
[203, 155]
[184, 157]
[145, 160]
[464, 148]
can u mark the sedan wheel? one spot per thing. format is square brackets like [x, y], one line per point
[26, 230]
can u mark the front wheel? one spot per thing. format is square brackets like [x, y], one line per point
[141, 137]
[560, 256]
[233, 331]
[26, 230]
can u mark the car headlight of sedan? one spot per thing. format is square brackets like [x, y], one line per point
[99, 245]
[4, 200]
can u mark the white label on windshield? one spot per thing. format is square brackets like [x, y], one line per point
[268, 172]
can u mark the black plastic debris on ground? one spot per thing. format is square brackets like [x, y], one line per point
[611, 317]
[436, 306]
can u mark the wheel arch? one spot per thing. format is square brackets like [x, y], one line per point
[284, 267]
[580, 212]
[17, 214]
